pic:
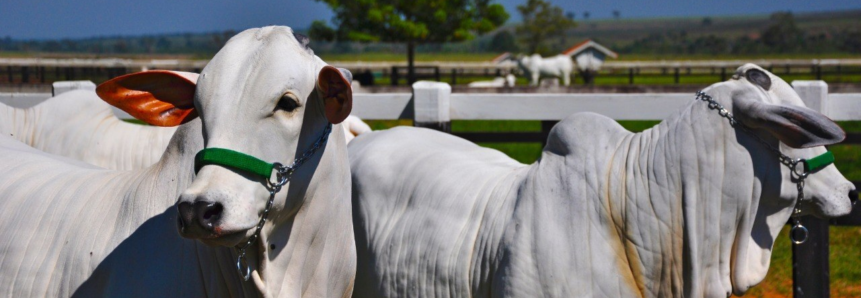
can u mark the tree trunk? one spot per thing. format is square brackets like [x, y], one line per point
[411, 71]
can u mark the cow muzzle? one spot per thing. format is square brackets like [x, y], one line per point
[214, 217]
[198, 218]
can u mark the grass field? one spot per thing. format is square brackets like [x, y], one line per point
[845, 242]
[486, 57]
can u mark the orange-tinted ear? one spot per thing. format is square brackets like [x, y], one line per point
[333, 87]
[157, 97]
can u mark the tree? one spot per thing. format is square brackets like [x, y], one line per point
[540, 21]
[320, 31]
[503, 42]
[616, 14]
[148, 44]
[783, 35]
[163, 44]
[120, 46]
[585, 15]
[415, 21]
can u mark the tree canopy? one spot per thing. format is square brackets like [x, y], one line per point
[541, 20]
[415, 21]
[320, 31]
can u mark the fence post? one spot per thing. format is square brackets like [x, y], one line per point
[676, 75]
[431, 104]
[810, 268]
[814, 94]
[631, 76]
[25, 74]
[546, 126]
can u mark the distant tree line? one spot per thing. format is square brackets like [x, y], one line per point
[782, 36]
[182, 43]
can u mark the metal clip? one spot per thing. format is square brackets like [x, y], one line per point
[242, 262]
[794, 167]
[798, 233]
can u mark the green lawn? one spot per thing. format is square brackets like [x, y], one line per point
[402, 57]
[845, 243]
[479, 57]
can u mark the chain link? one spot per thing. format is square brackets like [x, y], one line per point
[283, 175]
[798, 229]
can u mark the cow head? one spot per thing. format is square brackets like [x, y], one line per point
[776, 114]
[264, 94]
[774, 110]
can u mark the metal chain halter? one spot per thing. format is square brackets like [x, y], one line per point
[798, 234]
[248, 163]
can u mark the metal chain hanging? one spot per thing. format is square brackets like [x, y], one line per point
[283, 175]
[798, 233]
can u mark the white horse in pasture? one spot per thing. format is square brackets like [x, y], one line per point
[535, 67]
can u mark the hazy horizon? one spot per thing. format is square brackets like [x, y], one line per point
[41, 20]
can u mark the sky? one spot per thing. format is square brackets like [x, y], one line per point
[56, 19]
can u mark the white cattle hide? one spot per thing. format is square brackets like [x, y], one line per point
[79, 125]
[688, 208]
[71, 229]
[353, 127]
[499, 82]
[536, 67]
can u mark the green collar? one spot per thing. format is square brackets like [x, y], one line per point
[819, 162]
[233, 159]
[241, 161]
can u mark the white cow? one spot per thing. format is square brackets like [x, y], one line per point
[79, 125]
[535, 67]
[70, 229]
[689, 208]
[353, 127]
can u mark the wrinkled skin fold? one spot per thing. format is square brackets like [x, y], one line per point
[688, 208]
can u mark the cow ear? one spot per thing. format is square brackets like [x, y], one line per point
[797, 127]
[157, 97]
[333, 87]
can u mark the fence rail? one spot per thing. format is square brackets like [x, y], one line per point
[433, 105]
[47, 70]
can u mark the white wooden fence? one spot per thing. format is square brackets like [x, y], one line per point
[433, 102]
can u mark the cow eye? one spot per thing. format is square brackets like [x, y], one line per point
[287, 103]
[758, 77]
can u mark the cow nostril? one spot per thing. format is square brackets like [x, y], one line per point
[185, 216]
[208, 213]
[853, 196]
[211, 212]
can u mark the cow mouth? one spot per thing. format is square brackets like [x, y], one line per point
[215, 236]
[224, 238]
[835, 204]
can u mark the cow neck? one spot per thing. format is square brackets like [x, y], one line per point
[681, 165]
[318, 190]
[174, 171]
